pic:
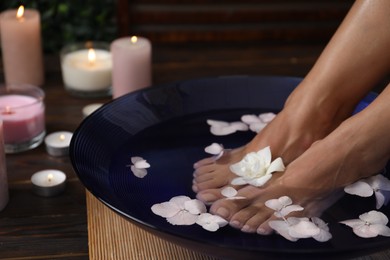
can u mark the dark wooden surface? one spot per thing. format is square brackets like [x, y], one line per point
[33, 227]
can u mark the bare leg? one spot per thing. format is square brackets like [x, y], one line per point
[354, 60]
[358, 148]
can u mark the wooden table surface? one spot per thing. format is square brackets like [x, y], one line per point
[33, 227]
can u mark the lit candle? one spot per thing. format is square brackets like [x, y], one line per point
[86, 69]
[22, 112]
[21, 46]
[89, 109]
[57, 144]
[132, 65]
[48, 183]
[3, 173]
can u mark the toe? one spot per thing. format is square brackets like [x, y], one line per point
[203, 162]
[209, 195]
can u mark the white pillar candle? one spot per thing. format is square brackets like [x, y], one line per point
[21, 47]
[86, 69]
[57, 143]
[48, 183]
[3, 173]
[132, 65]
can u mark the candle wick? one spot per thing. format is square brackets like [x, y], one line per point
[7, 111]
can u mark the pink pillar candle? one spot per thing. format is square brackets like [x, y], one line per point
[3, 173]
[21, 47]
[132, 65]
[23, 118]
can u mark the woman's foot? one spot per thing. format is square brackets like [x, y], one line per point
[315, 180]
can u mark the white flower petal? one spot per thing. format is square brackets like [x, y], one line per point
[229, 192]
[195, 206]
[359, 188]
[274, 204]
[267, 117]
[381, 229]
[288, 209]
[238, 181]
[304, 229]
[352, 222]
[135, 159]
[250, 119]
[218, 123]
[239, 126]
[379, 182]
[365, 231]
[276, 166]
[180, 200]
[282, 228]
[211, 222]
[142, 164]
[380, 199]
[285, 200]
[214, 149]
[183, 218]
[140, 173]
[265, 154]
[258, 182]
[220, 131]
[165, 209]
[257, 127]
[324, 234]
[374, 217]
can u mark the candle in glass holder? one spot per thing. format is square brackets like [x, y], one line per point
[86, 69]
[23, 114]
[132, 65]
[57, 143]
[3, 173]
[21, 46]
[48, 183]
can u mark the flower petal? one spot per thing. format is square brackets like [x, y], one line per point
[282, 228]
[165, 209]
[360, 188]
[257, 182]
[229, 192]
[250, 119]
[379, 182]
[380, 199]
[257, 127]
[135, 159]
[239, 126]
[222, 130]
[365, 231]
[352, 222]
[374, 217]
[285, 200]
[180, 200]
[140, 173]
[238, 181]
[276, 166]
[183, 218]
[304, 229]
[288, 209]
[211, 222]
[267, 117]
[218, 123]
[142, 164]
[214, 149]
[195, 206]
[274, 204]
[381, 229]
[265, 153]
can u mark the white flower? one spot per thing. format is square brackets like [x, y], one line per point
[180, 210]
[370, 224]
[230, 193]
[257, 123]
[302, 228]
[211, 222]
[324, 234]
[282, 206]
[224, 128]
[139, 166]
[256, 168]
[215, 149]
[378, 185]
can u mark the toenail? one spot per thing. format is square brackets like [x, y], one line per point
[194, 188]
[235, 224]
[262, 231]
[209, 197]
[247, 229]
[223, 212]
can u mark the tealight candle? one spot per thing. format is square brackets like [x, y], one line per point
[21, 46]
[57, 143]
[86, 69]
[48, 183]
[23, 113]
[3, 173]
[132, 65]
[89, 109]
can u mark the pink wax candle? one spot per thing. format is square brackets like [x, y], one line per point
[21, 47]
[3, 173]
[23, 117]
[132, 63]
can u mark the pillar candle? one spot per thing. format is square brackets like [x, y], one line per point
[3, 173]
[21, 47]
[132, 62]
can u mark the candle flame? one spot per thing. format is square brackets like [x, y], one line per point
[50, 177]
[134, 39]
[20, 12]
[91, 56]
[62, 137]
